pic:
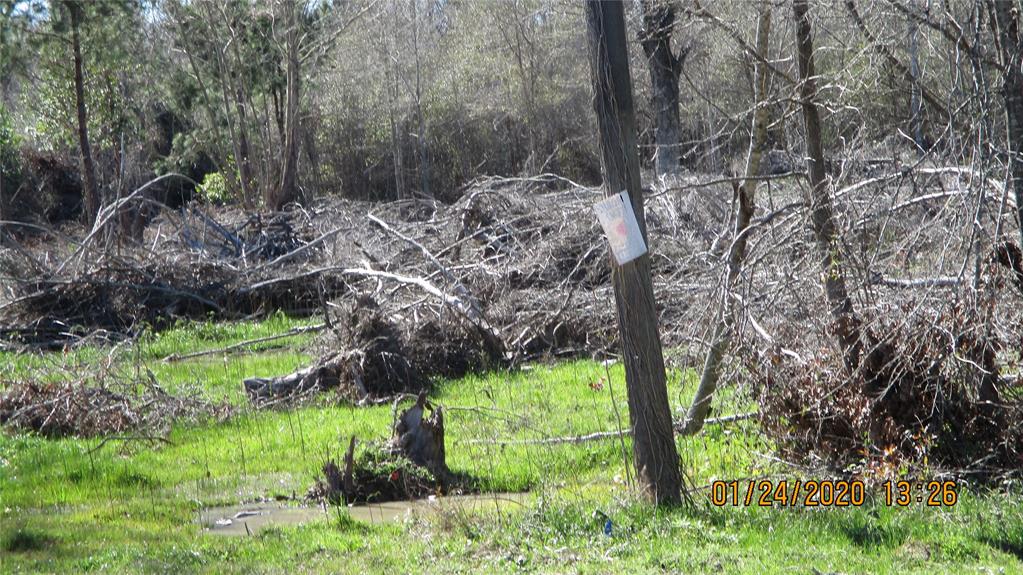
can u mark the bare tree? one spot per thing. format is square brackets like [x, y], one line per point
[822, 220]
[654, 453]
[287, 191]
[391, 81]
[745, 192]
[665, 66]
[915, 106]
[516, 22]
[1010, 44]
[92, 198]
[920, 94]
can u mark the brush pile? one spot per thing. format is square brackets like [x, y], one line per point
[413, 290]
[938, 389]
[187, 266]
[517, 270]
[97, 407]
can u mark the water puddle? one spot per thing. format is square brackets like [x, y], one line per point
[249, 519]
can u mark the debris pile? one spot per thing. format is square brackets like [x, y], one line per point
[927, 395]
[92, 408]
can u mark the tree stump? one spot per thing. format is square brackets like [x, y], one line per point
[420, 438]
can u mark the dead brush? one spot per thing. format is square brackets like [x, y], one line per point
[922, 400]
[99, 405]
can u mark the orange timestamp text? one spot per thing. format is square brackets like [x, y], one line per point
[828, 493]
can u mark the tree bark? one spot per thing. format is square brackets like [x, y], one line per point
[665, 67]
[1011, 43]
[822, 221]
[92, 199]
[700, 406]
[654, 453]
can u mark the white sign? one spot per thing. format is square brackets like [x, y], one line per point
[620, 226]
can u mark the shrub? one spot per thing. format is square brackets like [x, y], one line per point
[214, 189]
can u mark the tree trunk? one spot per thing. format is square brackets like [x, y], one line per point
[915, 106]
[288, 191]
[822, 221]
[654, 453]
[416, 92]
[244, 160]
[1011, 41]
[700, 407]
[92, 200]
[391, 78]
[665, 68]
[226, 88]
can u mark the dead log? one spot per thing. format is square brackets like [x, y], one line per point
[321, 375]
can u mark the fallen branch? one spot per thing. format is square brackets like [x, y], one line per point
[601, 435]
[918, 283]
[150, 438]
[459, 288]
[243, 344]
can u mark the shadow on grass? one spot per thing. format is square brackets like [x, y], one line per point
[864, 530]
[1011, 544]
[23, 540]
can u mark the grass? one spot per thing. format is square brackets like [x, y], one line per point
[71, 505]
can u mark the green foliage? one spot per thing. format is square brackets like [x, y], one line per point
[113, 69]
[214, 189]
[184, 153]
[10, 156]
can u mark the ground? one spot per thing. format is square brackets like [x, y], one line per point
[82, 505]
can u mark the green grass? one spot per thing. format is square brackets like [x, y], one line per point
[71, 505]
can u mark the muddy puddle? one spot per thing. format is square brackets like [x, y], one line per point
[249, 519]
